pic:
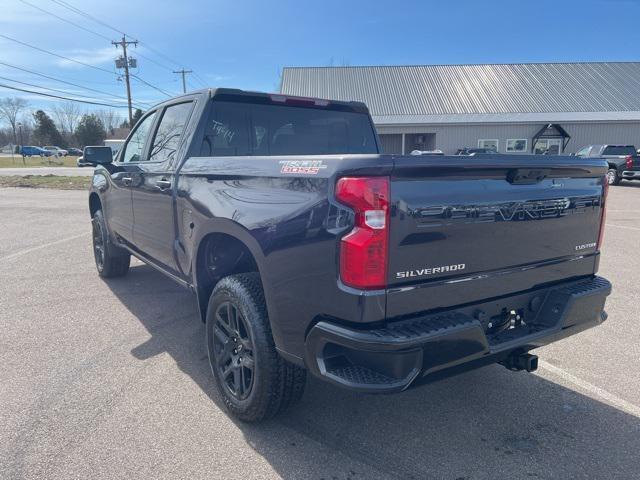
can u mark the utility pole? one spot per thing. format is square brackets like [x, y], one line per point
[126, 62]
[184, 82]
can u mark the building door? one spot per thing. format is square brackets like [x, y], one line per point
[548, 146]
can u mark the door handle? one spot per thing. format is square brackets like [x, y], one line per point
[127, 181]
[163, 184]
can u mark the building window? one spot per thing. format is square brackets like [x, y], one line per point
[516, 145]
[491, 144]
[548, 146]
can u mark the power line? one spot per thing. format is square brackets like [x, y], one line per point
[86, 15]
[93, 32]
[160, 54]
[83, 13]
[81, 63]
[58, 96]
[59, 56]
[150, 85]
[65, 20]
[152, 60]
[199, 79]
[46, 88]
[69, 83]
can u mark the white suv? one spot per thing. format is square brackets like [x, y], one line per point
[57, 151]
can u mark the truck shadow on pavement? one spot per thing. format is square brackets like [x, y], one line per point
[629, 183]
[489, 423]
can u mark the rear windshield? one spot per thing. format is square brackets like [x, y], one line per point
[244, 129]
[619, 150]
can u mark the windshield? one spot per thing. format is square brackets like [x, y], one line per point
[237, 129]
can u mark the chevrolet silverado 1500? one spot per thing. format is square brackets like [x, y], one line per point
[309, 251]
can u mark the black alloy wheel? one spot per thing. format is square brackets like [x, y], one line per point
[233, 350]
[98, 244]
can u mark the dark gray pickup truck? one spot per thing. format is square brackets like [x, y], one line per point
[622, 160]
[309, 251]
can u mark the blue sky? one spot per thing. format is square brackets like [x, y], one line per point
[245, 44]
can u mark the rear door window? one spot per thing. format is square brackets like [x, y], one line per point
[235, 129]
[169, 132]
[619, 150]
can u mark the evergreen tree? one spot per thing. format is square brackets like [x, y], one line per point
[46, 132]
[90, 131]
[136, 116]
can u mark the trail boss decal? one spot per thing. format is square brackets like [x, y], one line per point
[421, 272]
[308, 167]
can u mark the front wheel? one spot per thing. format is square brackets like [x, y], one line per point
[254, 381]
[612, 177]
[111, 261]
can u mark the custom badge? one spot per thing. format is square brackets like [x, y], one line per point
[307, 167]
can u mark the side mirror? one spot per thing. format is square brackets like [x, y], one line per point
[97, 155]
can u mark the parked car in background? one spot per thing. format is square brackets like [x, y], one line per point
[473, 151]
[76, 152]
[623, 160]
[427, 152]
[308, 250]
[57, 151]
[33, 151]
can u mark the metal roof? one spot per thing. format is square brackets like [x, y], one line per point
[478, 93]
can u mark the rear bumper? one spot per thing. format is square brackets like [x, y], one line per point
[413, 350]
[631, 174]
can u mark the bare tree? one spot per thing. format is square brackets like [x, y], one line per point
[67, 115]
[109, 118]
[10, 108]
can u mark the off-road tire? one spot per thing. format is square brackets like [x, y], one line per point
[111, 260]
[612, 177]
[276, 383]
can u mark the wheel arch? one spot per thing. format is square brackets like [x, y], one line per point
[95, 203]
[220, 254]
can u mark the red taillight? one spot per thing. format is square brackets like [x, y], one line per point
[363, 251]
[603, 213]
[629, 161]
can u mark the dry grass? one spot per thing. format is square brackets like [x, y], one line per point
[16, 162]
[46, 181]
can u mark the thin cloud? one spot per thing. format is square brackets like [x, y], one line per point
[214, 77]
[96, 57]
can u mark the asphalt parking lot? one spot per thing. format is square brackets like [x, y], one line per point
[110, 380]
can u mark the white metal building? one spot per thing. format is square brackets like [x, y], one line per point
[515, 108]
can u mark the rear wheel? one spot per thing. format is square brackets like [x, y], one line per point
[612, 177]
[111, 261]
[255, 382]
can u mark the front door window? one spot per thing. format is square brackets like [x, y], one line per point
[135, 147]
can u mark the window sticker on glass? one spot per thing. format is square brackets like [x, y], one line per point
[221, 130]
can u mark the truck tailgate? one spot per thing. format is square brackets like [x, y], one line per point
[456, 220]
